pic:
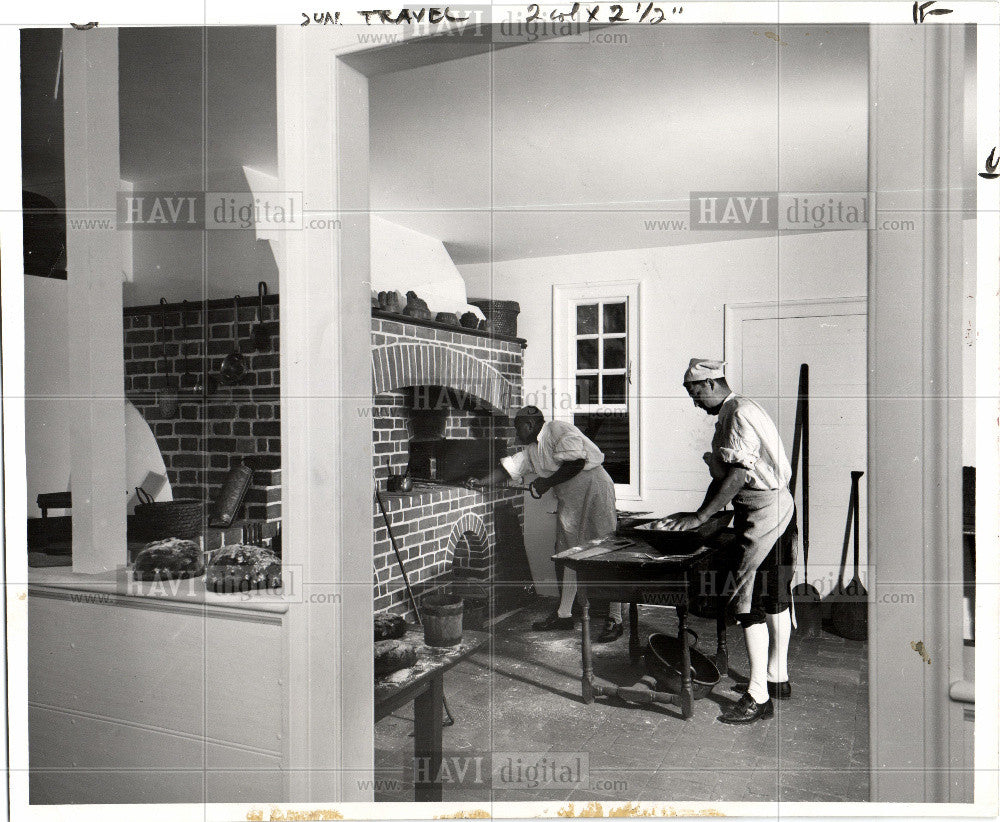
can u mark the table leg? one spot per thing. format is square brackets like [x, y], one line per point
[428, 718]
[687, 686]
[721, 645]
[587, 678]
[634, 652]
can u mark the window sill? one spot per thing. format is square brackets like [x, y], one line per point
[117, 589]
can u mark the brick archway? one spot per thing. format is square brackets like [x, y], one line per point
[405, 365]
[471, 530]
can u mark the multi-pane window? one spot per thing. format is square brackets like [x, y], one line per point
[601, 355]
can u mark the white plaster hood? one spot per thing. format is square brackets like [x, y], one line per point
[406, 260]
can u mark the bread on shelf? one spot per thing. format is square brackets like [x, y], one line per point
[170, 558]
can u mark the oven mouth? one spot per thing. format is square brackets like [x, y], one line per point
[453, 461]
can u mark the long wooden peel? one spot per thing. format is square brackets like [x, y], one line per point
[803, 592]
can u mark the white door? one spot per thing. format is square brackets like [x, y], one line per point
[764, 365]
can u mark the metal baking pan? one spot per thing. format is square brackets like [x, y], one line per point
[681, 542]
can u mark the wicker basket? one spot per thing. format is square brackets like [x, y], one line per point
[184, 519]
[502, 315]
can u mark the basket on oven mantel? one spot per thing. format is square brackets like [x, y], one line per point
[502, 314]
[183, 519]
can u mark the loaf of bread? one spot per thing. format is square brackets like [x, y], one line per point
[168, 559]
[389, 626]
[416, 307]
[240, 568]
[446, 318]
[393, 655]
[390, 301]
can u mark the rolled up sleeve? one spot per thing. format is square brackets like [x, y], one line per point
[517, 465]
[741, 443]
[570, 446]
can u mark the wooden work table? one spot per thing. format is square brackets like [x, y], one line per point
[423, 684]
[620, 568]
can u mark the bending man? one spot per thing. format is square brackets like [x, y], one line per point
[749, 468]
[563, 459]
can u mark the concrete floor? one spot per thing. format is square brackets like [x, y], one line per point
[520, 699]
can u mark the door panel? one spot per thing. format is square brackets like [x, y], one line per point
[768, 372]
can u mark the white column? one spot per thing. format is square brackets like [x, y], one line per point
[326, 465]
[94, 289]
[914, 472]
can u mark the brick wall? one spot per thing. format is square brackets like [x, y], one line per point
[213, 428]
[429, 526]
[442, 532]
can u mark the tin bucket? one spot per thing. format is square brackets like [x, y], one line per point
[442, 618]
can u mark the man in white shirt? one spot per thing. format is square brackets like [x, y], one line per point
[750, 469]
[563, 459]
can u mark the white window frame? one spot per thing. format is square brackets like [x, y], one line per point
[565, 299]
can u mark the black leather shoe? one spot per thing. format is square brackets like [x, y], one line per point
[746, 711]
[775, 690]
[779, 690]
[613, 629]
[553, 622]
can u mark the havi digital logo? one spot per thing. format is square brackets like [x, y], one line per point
[733, 210]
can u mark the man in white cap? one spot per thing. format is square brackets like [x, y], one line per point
[750, 469]
[564, 460]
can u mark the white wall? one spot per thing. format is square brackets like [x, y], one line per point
[684, 291]
[47, 415]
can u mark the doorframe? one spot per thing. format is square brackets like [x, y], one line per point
[326, 437]
[911, 70]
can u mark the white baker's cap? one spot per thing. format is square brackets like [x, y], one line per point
[699, 370]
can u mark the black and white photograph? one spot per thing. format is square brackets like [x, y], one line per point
[569, 410]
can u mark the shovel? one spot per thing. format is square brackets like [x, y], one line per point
[849, 605]
[168, 396]
[260, 336]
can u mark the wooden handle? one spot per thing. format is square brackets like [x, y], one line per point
[856, 499]
[847, 533]
[805, 468]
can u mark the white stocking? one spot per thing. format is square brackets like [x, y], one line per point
[615, 611]
[779, 627]
[756, 638]
[568, 593]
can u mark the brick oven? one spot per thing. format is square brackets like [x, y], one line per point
[441, 402]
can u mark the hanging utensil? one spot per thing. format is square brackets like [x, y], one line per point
[400, 483]
[168, 396]
[261, 336]
[849, 606]
[234, 366]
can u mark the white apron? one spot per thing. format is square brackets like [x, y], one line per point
[586, 508]
[761, 519]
